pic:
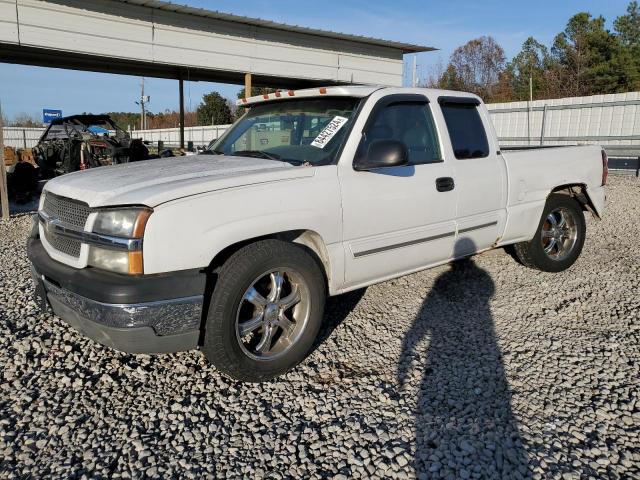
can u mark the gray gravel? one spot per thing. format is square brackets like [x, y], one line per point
[486, 370]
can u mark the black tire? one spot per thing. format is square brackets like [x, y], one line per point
[532, 254]
[222, 345]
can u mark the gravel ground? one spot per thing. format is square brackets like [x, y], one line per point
[484, 370]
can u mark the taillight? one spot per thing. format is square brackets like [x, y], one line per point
[605, 168]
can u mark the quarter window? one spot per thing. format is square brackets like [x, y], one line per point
[408, 122]
[466, 130]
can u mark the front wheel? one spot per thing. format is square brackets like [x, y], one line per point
[265, 311]
[559, 238]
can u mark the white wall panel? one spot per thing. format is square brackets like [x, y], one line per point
[142, 34]
[201, 135]
[8, 21]
[18, 137]
[575, 120]
[59, 27]
[361, 69]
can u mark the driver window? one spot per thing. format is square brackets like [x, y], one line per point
[410, 123]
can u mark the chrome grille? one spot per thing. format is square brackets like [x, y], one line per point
[63, 244]
[70, 212]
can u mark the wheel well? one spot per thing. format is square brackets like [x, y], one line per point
[579, 192]
[310, 240]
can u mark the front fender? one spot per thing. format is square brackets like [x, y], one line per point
[190, 232]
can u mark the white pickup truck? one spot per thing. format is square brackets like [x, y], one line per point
[311, 193]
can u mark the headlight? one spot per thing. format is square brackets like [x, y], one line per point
[125, 223]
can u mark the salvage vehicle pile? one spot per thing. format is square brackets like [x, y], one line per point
[69, 144]
[79, 142]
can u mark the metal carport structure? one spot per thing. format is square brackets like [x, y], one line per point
[160, 39]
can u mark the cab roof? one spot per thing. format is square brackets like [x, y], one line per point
[357, 91]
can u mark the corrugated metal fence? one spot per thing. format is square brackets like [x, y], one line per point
[601, 119]
[611, 120]
[171, 136]
[18, 137]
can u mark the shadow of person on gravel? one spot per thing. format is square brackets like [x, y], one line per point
[464, 425]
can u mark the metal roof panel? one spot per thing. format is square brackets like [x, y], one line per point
[214, 14]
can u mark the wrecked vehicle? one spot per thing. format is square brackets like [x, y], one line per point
[79, 142]
[22, 174]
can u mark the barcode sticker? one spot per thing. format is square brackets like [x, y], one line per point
[329, 131]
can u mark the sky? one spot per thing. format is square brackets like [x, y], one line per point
[441, 24]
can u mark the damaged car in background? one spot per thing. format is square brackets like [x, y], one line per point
[79, 142]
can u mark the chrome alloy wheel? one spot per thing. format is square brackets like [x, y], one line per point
[273, 314]
[559, 233]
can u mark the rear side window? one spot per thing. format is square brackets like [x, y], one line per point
[466, 130]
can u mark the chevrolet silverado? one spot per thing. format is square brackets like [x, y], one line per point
[310, 193]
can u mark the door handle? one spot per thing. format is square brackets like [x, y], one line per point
[445, 184]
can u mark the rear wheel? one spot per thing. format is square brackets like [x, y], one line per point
[559, 238]
[266, 310]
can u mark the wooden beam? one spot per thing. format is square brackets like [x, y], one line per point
[4, 194]
[247, 85]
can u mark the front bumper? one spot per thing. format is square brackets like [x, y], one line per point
[139, 314]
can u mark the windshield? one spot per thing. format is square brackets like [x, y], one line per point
[296, 131]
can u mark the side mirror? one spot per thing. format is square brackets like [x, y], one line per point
[383, 154]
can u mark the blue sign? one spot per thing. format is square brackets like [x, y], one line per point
[48, 115]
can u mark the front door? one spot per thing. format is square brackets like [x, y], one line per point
[398, 219]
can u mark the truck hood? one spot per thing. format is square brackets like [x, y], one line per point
[152, 182]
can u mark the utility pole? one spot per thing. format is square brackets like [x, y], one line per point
[414, 71]
[143, 120]
[144, 99]
[4, 194]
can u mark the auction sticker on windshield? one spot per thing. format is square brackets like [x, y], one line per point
[329, 131]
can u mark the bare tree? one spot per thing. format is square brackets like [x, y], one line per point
[434, 75]
[25, 120]
[478, 65]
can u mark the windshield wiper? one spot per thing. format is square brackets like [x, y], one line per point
[208, 151]
[257, 154]
[268, 156]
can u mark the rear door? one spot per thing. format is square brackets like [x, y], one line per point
[397, 219]
[480, 173]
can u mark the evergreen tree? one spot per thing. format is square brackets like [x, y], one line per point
[628, 26]
[628, 29]
[587, 54]
[532, 62]
[214, 110]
